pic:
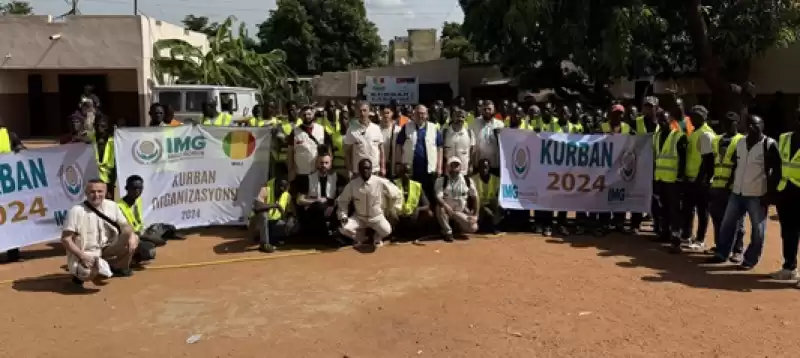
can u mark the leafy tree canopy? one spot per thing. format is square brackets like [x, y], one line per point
[321, 35]
[455, 44]
[16, 8]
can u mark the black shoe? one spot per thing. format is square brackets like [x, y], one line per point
[77, 282]
[675, 249]
[745, 267]
[266, 248]
[495, 232]
[13, 255]
[448, 238]
[122, 272]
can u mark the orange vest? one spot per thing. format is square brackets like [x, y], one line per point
[676, 126]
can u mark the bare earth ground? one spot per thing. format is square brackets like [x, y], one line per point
[513, 296]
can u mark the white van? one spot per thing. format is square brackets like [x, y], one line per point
[187, 100]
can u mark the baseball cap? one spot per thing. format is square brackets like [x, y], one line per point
[453, 160]
[617, 108]
[650, 100]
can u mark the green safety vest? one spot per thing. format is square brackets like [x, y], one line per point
[337, 138]
[105, 165]
[132, 214]
[554, 127]
[693, 158]
[222, 120]
[606, 128]
[279, 152]
[790, 164]
[523, 124]
[487, 191]
[641, 128]
[411, 202]
[5, 141]
[666, 169]
[283, 201]
[723, 162]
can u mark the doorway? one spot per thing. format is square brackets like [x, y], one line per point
[70, 89]
[37, 109]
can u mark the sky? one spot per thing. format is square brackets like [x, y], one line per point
[392, 17]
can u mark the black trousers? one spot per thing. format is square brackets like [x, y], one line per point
[666, 216]
[788, 211]
[427, 181]
[547, 218]
[695, 199]
[314, 223]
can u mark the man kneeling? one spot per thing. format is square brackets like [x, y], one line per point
[457, 199]
[367, 192]
[415, 209]
[97, 229]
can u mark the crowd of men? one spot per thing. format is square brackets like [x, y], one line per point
[360, 174]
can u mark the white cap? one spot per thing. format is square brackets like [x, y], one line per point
[453, 160]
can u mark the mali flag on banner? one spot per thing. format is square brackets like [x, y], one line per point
[239, 145]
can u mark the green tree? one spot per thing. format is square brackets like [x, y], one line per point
[455, 44]
[228, 61]
[200, 24]
[321, 35]
[16, 8]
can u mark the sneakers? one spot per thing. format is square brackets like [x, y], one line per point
[448, 238]
[378, 243]
[736, 258]
[563, 230]
[547, 231]
[784, 275]
[266, 248]
[697, 246]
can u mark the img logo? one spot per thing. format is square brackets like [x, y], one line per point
[627, 166]
[147, 151]
[521, 161]
[72, 181]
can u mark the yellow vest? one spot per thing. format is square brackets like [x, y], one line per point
[666, 170]
[606, 128]
[338, 150]
[106, 164]
[723, 162]
[5, 141]
[279, 152]
[487, 191]
[134, 217]
[554, 127]
[222, 120]
[577, 128]
[523, 124]
[693, 158]
[331, 127]
[256, 122]
[790, 163]
[641, 128]
[411, 202]
[283, 201]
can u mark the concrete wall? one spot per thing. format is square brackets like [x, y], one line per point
[423, 45]
[344, 85]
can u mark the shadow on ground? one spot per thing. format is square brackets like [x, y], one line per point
[52, 283]
[644, 252]
[52, 249]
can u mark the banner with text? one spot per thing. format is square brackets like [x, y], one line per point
[194, 175]
[39, 186]
[575, 172]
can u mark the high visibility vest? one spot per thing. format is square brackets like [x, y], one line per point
[256, 122]
[279, 152]
[641, 128]
[790, 163]
[132, 214]
[606, 128]
[222, 120]
[331, 127]
[5, 141]
[470, 118]
[523, 124]
[693, 158]
[577, 128]
[337, 138]
[283, 201]
[487, 191]
[106, 164]
[554, 127]
[666, 170]
[411, 202]
[723, 162]
[535, 123]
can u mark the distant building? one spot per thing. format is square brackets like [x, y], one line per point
[420, 45]
[47, 63]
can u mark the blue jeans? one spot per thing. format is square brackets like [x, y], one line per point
[737, 207]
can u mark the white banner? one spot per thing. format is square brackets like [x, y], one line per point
[39, 186]
[384, 89]
[575, 172]
[194, 175]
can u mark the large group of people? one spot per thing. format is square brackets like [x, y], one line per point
[359, 174]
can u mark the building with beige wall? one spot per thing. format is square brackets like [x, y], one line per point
[45, 63]
[419, 46]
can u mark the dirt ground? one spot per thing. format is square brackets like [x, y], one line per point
[512, 296]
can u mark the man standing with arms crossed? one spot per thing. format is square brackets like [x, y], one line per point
[419, 145]
[364, 141]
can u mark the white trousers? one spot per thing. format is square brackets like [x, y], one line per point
[355, 228]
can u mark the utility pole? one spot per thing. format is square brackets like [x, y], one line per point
[74, 10]
[135, 7]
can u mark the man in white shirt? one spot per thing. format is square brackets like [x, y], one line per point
[364, 141]
[458, 201]
[367, 193]
[308, 140]
[459, 141]
[88, 237]
[755, 169]
[389, 129]
[485, 130]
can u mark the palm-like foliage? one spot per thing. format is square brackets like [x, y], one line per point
[228, 61]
